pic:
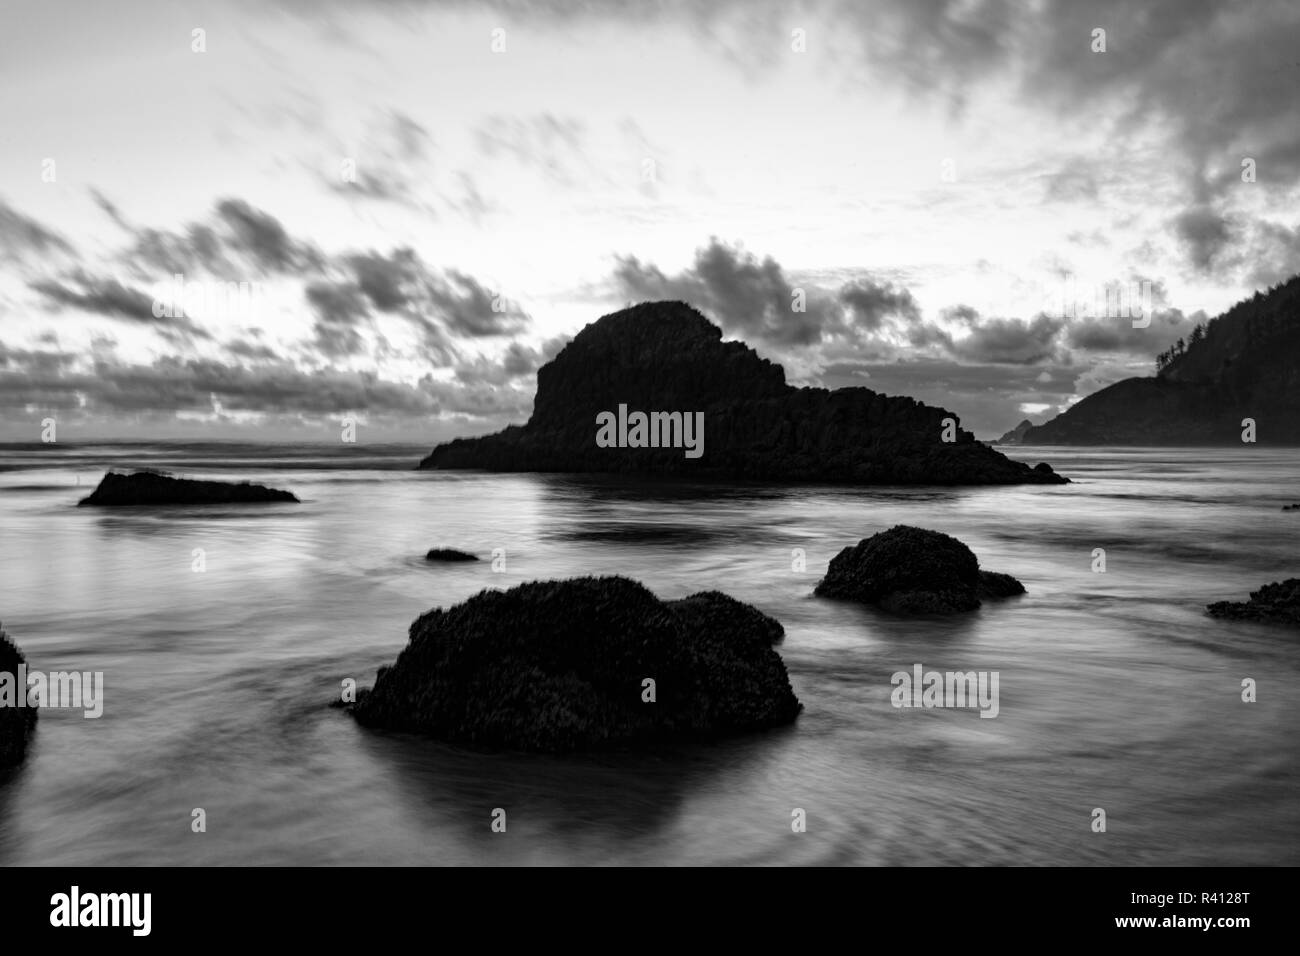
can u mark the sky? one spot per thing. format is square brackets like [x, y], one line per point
[258, 220]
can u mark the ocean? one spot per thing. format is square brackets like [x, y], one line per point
[224, 634]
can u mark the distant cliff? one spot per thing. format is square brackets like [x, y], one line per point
[665, 357]
[1243, 364]
[1016, 435]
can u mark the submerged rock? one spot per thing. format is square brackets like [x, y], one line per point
[563, 665]
[16, 723]
[910, 570]
[1273, 603]
[653, 389]
[156, 488]
[449, 554]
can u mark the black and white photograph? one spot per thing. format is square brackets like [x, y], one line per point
[693, 434]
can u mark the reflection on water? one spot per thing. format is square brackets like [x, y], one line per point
[1116, 690]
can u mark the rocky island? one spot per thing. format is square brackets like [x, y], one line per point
[156, 488]
[584, 664]
[908, 570]
[654, 389]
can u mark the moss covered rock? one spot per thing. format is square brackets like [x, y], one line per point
[909, 570]
[564, 665]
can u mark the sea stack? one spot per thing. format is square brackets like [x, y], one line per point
[908, 570]
[156, 488]
[653, 389]
[584, 664]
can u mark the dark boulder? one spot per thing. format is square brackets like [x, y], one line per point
[1272, 604]
[156, 488]
[909, 570]
[559, 666]
[449, 555]
[665, 358]
[16, 723]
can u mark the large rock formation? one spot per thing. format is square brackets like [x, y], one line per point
[562, 665]
[1243, 364]
[155, 488]
[666, 357]
[16, 723]
[1272, 604]
[909, 570]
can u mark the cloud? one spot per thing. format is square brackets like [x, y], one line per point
[871, 303]
[1011, 341]
[392, 163]
[1203, 233]
[340, 309]
[749, 298]
[112, 298]
[1099, 334]
[237, 241]
[550, 144]
[173, 384]
[22, 236]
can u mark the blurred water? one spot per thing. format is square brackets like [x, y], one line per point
[1116, 690]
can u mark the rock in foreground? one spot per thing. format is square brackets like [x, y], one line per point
[1272, 604]
[909, 570]
[561, 665]
[16, 723]
[449, 554]
[155, 488]
[653, 389]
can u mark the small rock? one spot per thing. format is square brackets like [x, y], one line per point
[909, 570]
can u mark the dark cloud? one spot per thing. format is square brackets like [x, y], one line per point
[340, 310]
[470, 308]
[518, 364]
[749, 298]
[255, 351]
[237, 242]
[1204, 234]
[871, 303]
[114, 299]
[1099, 334]
[21, 236]
[262, 238]
[1011, 341]
[102, 296]
[343, 291]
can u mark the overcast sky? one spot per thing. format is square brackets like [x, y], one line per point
[424, 200]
